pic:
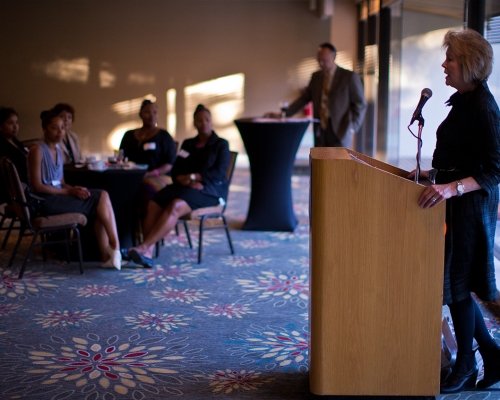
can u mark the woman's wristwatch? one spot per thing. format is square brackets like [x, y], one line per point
[460, 188]
[192, 177]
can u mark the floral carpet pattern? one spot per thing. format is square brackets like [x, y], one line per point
[232, 327]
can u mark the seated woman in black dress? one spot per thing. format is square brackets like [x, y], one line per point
[45, 162]
[152, 146]
[199, 176]
[12, 148]
[70, 146]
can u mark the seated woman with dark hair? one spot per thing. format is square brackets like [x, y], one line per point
[152, 146]
[70, 146]
[46, 179]
[12, 148]
[199, 176]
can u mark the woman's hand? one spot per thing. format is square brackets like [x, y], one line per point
[183, 180]
[422, 174]
[161, 170]
[79, 192]
[435, 194]
[196, 185]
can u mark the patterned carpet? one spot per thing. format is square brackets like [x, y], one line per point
[233, 327]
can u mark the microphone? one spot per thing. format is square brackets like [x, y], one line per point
[424, 96]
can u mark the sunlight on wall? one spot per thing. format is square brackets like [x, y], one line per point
[116, 135]
[371, 72]
[126, 108]
[139, 78]
[344, 60]
[131, 107]
[301, 74]
[171, 112]
[75, 70]
[107, 77]
[225, 98]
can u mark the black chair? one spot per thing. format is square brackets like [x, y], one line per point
[38, 226]
[7, 214]
[217, 212]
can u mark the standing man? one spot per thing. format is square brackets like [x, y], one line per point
[338, 101]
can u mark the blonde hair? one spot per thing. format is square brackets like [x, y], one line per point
[473, 53]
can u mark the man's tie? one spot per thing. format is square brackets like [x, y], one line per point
[323, 112]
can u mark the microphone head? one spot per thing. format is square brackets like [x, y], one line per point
[427, 93]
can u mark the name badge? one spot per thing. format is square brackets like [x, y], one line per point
[183, 153]
[56, 183]
[149, 146]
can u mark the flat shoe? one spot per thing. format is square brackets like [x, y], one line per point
[138, 258]
[125, 255]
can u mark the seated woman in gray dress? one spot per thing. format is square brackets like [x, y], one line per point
[45, 176]
[199, 175]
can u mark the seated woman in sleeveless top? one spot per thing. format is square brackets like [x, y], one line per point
[12, 148]
[45, 162]
[199, 176]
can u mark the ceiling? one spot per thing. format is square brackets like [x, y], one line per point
[450, 8]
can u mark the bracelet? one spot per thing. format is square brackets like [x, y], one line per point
[156, 172]
[432, 175]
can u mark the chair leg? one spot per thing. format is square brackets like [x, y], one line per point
[43, 237]
[9, 230]
[200, 244]
[80, 258]
[227, 233]
[21, 273]
[68, 256]
[187, 234]
[157, 250]
[16, 247]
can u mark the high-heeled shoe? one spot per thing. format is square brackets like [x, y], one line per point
[491, 363]
[115, 259]
[463, 376]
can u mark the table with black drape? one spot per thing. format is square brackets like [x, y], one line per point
[271, 146]
[122, 186]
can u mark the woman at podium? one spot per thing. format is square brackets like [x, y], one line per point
[466, 167]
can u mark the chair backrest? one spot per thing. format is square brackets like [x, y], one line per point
[15, 188]
[231, 165]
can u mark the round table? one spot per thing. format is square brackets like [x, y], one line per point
[122, 186]
[271, 146]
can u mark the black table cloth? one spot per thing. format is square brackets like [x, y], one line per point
[271, 145]
[122, 186]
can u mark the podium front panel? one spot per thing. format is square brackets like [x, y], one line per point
[376, 273]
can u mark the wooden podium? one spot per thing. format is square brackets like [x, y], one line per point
[376, 279]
